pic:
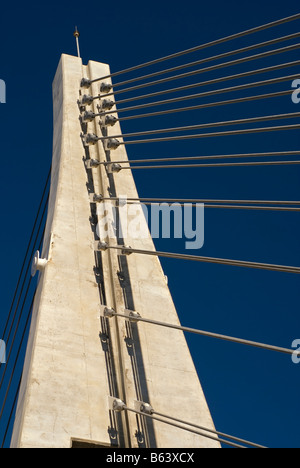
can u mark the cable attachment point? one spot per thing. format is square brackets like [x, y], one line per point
[113, 168]
[110, 120]
[133, 316]
[90, 163]
[127, 250]
[100, 246]
[85, 83]
[115, 404]
[105, 88]
[86, 100]
[38, 264]
[143, 407]
[108, 313]
[111, 144]
[89, 139]
[95, 198]
[105, 104]
[87, 116]
[107, 121]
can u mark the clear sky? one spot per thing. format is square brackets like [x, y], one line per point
[251, 393]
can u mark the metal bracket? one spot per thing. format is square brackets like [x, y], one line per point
[86, 100]
[115, 404]
[87, 116]
[38, 264]
[100, 246]
[90, 139]
[110, 120]
[107, 121]
[108, 313]
[105, 87]
[143, 407]
[90, 163]
[113, 168]
[111, 144]
[95, 198]
[85, 83]
[105, 104]
[133, 316]
[120, 202]
[126, 250]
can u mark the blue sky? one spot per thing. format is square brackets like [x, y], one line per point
[251, 393]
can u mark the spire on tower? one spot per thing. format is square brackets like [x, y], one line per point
[76, 35]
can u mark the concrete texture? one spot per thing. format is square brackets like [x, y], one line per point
[75, 358]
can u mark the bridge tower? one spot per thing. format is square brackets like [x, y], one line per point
[79, 361]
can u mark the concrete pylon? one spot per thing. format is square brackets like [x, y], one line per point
[75, 357]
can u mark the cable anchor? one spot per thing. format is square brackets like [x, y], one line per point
[105, 87]
[85, 83]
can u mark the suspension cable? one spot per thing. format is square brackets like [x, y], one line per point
[218, 156]
[209, 69]
[204, 200]
[236, 164]
[209, 59]
[135, 317]
[17, 357]
[17, 327]
[197, 426]
[264, 266]
[213, 134]
[234, 204]
[205, 83]
[27, 250]
[23, 285]
[204, 46]
[206, 94]
[207, 125]
[234, 207]
[194, 431]
[203, 106]
[11, 412]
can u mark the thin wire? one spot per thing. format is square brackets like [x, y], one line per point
[25, 276]
[209, 59]
[205, 106]
[211, 68]
[204, 46]
[27, 251]
[208, 334]
[238, 164]
[17, 357]
[21, 312]
[214, 134]
[205, 83]
[222, 261]
[232, 444]
[11, 412]
[264, 118]
[220, 156]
